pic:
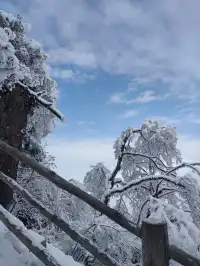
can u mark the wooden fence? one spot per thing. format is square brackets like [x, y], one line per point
[156, 250]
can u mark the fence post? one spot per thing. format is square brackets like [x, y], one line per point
[154, 244]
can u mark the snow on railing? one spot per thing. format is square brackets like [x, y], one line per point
[22, 233]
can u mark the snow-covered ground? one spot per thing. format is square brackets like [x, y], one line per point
[14, 253]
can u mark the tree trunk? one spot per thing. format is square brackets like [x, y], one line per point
[13, 119]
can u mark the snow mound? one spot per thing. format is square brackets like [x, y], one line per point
[13, 252]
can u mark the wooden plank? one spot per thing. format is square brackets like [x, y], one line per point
[71, 188]
[21, 232]
[104, 258]
[154, 244]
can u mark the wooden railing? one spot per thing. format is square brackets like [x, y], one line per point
[156, 250]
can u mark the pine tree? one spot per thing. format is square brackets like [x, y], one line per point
[27, 95]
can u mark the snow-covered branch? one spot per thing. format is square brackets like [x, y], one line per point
[37, 96]
[185, 165]
[151, 158]
[119, 161]
[124, 141]
[144, 179]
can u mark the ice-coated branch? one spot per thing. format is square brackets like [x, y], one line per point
[151, 158]
[167, 193]
[89, 246]
[185, 165]
[22, 233]
[38, 97]
[117, 168]
[144, 179]
[156, 194]
[120, 157]
[86, 230]
[139, 216]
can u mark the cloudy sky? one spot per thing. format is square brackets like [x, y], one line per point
[117, 63]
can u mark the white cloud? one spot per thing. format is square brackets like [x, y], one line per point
[192, 118]
[80, 58]
[118, 98]
[129, 113]
[88, 123]
[151, 40]
[189, 147]
[196, 120]
[132, 87]
[63, 73]
[188, 114]
[148, 96]
[70, 74]
[166, 120]
[80, 123]
[143, 97]
[73, 158]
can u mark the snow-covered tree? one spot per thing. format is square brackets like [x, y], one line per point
[146, 182]
[108, 236]
[28, 95]
[148, 151]
[96, 179]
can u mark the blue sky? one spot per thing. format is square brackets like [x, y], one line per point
[117, 63]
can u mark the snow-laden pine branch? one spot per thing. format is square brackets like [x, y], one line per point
[37, 96]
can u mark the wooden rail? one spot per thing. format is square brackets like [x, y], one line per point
[160, 242]
[21, 232]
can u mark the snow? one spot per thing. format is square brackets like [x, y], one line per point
[61, 257]
[13, 252]
[9, 64]
[182, 231]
